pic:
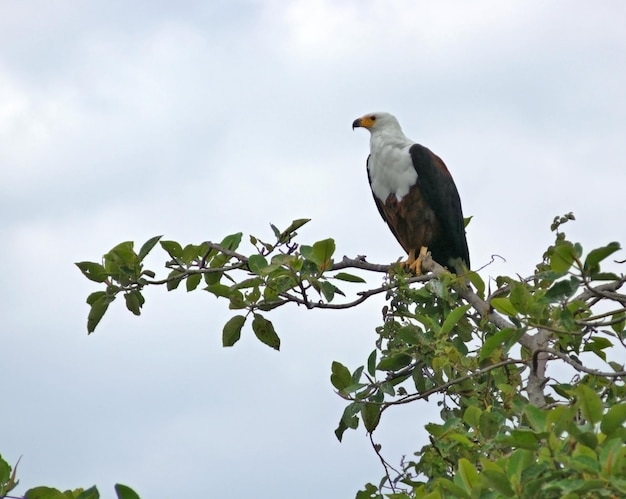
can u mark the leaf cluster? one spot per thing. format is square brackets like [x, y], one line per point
[492, 441]
[8, 482]
[273, 274]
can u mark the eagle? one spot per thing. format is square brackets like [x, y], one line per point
[415, 194]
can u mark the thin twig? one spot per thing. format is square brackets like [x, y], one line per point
[418, 396]
[385, 464]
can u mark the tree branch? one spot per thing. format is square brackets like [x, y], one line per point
[418, 396]
[578, 366]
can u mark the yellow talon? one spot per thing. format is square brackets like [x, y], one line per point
[415, 264]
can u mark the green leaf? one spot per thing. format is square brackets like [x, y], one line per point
[499, 339]
[585, 463]
[613, 419]
[524, 439]
[460, 438]
[504, 306]
[173, 279]
[134, 301]
[307, 252]
[97, 311]
[322, 253]
[590, 403]
[219, 290]
[237, 300]
[454, 490]
[90, 493]
[5, 472]
[218, 260]
[371, 363]
[472, 416]
[232, 241]
[394, 362]
[340, 376]
[232, 330]
[587, 438]
[149, 273]
[173, 248]
[125, 492]
[93, 271]
[248, 283]
[95, 296]
[348, 419]
[536, 417]
[562, 257]
[343, 276]
[410, 334]
[597, 345]
[371, 492]
[253, 295]
[193, 281]
[605, 276]
[147, 247]
[370, 413]
[561, 417]
[191, 252]
[469, 475]
[519, 461]
[212, 277]
[499, 481]
[328, 290]
[521, 298]
[619, 321]
[561, 290]
[44, 493]
[592, 262]
[264, 331]
[124, 252]
[612, 456]
[567, 320]
[287, 234]
[479, 284]
[488, 425]
[256, 264]
[453, 317]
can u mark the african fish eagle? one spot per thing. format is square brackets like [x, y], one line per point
[415, 195]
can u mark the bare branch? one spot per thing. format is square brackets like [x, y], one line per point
[578, 366]
[384, 462]
[537, 377]
[186, 272]
[604, 291]
[221, 249]
[360, 263]
[363, 295]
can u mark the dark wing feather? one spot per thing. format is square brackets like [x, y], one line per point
[439, 191]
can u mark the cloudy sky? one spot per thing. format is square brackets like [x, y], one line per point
[120, 121]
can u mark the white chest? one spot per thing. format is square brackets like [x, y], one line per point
[390, 168]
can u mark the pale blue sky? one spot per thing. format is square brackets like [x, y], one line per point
[122, 121]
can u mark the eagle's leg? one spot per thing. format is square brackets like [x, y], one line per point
[415, 263]
[410, 260]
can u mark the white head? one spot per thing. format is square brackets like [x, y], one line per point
[378, 123]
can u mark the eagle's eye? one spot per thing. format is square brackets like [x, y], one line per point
[373, 117]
